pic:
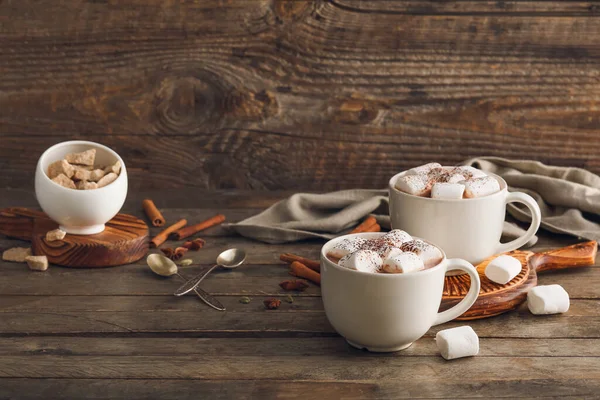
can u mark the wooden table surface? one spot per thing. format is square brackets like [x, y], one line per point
[120, 333]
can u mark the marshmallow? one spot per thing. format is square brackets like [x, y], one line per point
[550, 299]
[503, 269]
[396, 237]
[362, 260]
[429, 254]
[479, 187]
[403, 263]
[447, 190]
[445, 175]
[417, 185]
[423, 169]
[470, 172]
[457, 342]
[345, 247]
[382, 247]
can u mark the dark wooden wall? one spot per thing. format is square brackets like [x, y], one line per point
[319, 95]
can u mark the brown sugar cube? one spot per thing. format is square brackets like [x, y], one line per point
[64, 181]
[84, 158]
[16, 254]
[81, 174]
[60, 167]
[96, 175]
[37, 263]
[57, 234]
[85, 185]
[115, 168]
[107, 180]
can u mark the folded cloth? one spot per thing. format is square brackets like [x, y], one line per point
[306, 215]
[569, 199]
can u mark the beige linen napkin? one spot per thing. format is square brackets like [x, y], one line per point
[568, 197]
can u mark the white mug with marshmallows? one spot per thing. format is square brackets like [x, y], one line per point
[467, 228]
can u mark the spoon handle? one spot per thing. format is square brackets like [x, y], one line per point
[207, 297]
[194, 282]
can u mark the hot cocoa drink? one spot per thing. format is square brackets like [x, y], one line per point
[438, 182]
[394, 253]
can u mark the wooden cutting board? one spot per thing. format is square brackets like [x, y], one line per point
[125, 239]
[495, 299]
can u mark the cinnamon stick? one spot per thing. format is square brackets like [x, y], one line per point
[193, 229]
[373, 228]
[366, 224]
[162, 237]
[155, 217]
[290, 258]
[302, 271]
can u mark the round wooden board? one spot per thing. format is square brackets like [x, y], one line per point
[494, 299]
[125, 240]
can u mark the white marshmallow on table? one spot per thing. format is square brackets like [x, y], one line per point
[549, 299]
[503, 269]
[447, 190]
[346, 247]
[403, 263]
[417, 185]
[429, 254]
[457, 342]
[423, 169]
[362, 260]
[396, 237]
[471, 172]
[479, 187]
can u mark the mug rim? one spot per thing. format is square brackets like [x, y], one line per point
[503, 190]
[77, 142]
[379, 275]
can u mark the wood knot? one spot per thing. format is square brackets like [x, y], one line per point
[184, 104]
[253, 105]
[355, 111]
[290, 10]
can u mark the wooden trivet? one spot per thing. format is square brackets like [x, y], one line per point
[125, 239]
[495, 299]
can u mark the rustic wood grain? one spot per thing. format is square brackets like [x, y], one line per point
[284, 347]
[119, 332]
[254, 367]
[124, 240]
[177, 389]
[197, 320]
[264, 94]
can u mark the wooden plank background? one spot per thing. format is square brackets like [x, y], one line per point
[306, 94]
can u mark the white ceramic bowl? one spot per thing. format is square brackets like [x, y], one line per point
[80, 212]
[388, 312]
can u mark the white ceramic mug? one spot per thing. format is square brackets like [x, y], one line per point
[464, 228]
[388, 312]
[80, 212]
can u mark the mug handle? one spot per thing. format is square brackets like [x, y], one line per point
[467, 302]
[536, 218]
